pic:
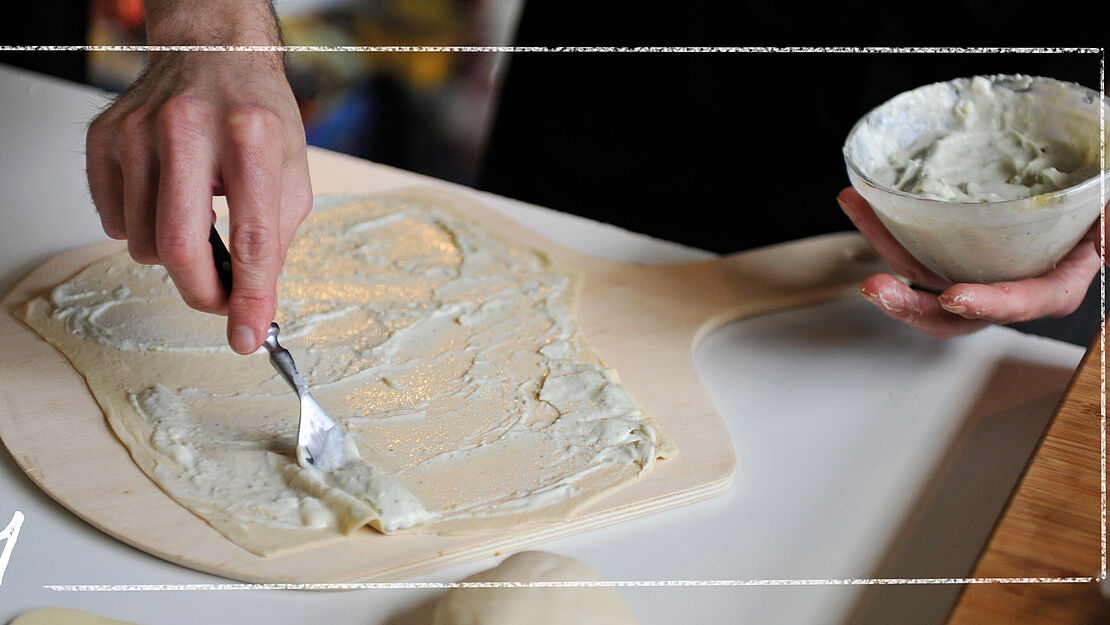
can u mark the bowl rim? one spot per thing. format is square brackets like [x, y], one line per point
[1075, 188]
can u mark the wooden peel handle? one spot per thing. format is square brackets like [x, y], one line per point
[779, 276]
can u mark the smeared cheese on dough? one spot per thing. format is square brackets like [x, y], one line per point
[449, 355]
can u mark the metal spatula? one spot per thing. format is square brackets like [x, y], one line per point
[319, 439]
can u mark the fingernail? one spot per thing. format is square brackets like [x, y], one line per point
[877, 299]
[955, 303]
[844, 198]
[241, 339]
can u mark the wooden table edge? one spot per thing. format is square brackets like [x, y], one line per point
[1034, 540]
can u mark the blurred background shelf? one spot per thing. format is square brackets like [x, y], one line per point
[427, 112]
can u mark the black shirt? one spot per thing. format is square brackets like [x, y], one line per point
[732, 150]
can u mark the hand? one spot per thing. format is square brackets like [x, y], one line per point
[965, 308]
[199, 124]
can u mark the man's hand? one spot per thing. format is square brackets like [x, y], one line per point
[965, 308]
[199, 124]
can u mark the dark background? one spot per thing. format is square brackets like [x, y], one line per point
[727, 151]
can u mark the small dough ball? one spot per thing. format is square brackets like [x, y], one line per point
[586, 605]
[61, 616]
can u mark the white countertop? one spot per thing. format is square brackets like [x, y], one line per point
[864, 449]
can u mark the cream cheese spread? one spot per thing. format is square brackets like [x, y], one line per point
[450, 356]
[990, 151]
[984, 179]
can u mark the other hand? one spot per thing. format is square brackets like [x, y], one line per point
[964, 308]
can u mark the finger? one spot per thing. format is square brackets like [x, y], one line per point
[296, 198]
[105, 178]
[916, 309]
[140, 187]
[251, 167]
[901, 261]
[187, 160]
[1056, 294]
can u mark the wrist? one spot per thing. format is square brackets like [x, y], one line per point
[211, 23]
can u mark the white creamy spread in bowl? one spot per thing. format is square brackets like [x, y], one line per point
[986, 178]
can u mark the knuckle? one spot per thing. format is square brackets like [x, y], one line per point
[99, 135]
[133, 126]
[253, 244]
[98, 122]
[250, 126]
[113, 227]
[141, 251]
[175, 248]
[181, 121]
[208, 303]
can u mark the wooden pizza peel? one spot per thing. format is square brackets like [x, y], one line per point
[643, 320]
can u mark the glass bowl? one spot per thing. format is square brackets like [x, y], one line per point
[983, 241]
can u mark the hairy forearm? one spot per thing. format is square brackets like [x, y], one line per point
[211, 23]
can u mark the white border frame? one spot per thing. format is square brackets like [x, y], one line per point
[1102, 574]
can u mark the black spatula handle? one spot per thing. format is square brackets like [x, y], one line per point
[222, 258]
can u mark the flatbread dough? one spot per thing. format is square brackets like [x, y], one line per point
[448, 354]
[557, 605]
